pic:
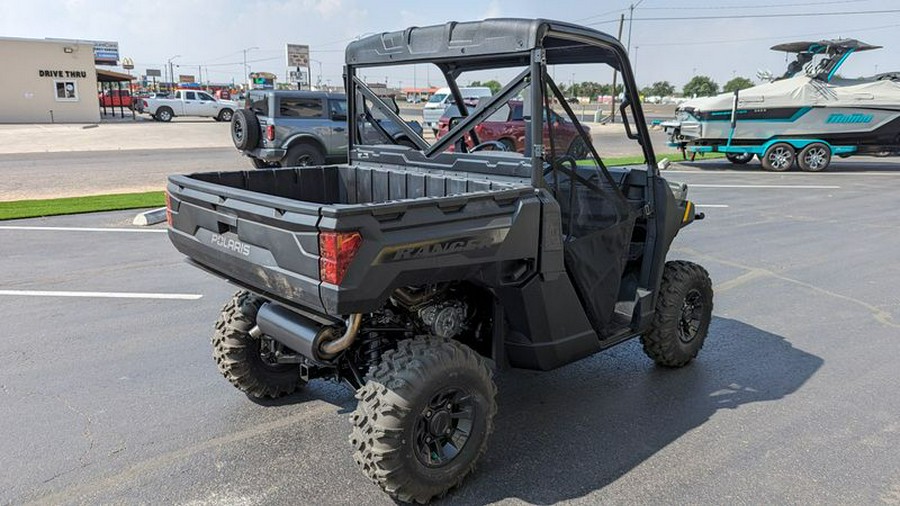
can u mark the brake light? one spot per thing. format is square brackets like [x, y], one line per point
[168, 210]
[270, 132]
[146, 105]
[336, 250]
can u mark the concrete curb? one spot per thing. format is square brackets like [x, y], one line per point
[151, 217]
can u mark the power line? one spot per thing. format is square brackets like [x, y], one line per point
[747, 16]
[766, 6]
[783, 37]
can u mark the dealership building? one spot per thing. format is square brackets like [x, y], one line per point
[50, 81]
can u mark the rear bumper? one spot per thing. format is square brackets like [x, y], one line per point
[267, 154]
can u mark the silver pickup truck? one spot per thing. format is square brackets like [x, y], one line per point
[189, 103]
[283, 128]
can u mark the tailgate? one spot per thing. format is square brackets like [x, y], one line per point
[269, 244]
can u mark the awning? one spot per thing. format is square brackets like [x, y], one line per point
[108, 76]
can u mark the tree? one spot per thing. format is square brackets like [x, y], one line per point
[701, 86]
[738, 83]
[494, 85]
[659, 89]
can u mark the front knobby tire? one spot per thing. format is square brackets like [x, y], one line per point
[423, 418]
[683, 313]
[239, 356]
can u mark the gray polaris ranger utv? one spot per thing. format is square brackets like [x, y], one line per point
[411, 273]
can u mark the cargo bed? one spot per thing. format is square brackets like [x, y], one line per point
[261, 228]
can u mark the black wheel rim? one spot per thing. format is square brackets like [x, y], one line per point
[444, 427]
[691, 316]
[304, 160]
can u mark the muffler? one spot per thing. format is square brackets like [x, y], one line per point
[303, 335]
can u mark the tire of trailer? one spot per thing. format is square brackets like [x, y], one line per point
[739, 158]
[815, 157]
[780, 157]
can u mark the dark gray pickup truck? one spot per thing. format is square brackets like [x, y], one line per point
[411, 272]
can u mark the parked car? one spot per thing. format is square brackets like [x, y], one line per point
[507, 127]
[189, 103]
[442, 99]
[115, 98]
[296, 128]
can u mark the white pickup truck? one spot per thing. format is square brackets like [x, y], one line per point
[189, 103]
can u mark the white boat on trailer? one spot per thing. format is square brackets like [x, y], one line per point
[805, 117]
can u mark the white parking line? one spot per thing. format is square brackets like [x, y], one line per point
[105, 295]
[767, 186]
[721, 172]
[84, 229]
[710, 205]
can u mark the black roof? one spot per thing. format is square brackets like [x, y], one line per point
[491, 43]
[834, 44]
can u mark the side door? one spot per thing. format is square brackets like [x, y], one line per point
[337, 116]
[192, 105]
[207, 105]
[179, 103]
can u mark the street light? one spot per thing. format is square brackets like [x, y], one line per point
[171, 72]
[319, 80]
[246, 68]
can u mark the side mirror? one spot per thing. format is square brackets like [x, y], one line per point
[663, 164]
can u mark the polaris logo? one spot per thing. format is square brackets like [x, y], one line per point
[849, 118]
[230, 244]
[440, 248]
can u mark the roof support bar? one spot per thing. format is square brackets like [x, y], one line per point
[460, 104]
[509, 91]
[413, 136]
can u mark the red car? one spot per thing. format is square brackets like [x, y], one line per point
[508, 127]
[115, 98]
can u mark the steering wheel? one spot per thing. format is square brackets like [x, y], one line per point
[498, 146]
[559, 161]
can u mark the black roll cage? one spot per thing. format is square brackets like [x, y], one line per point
[554, 42]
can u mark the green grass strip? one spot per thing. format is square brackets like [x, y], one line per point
[76, 205]
[639, 159]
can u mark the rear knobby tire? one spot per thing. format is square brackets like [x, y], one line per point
[422, 396]
[238, 355]
[683, 313]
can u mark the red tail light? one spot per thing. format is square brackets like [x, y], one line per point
[270, 132]
[336, 250]
[146, 105]
[168, 209]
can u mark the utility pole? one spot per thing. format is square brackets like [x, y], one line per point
[172, 72]
[247, 69]
[630, 21]
[612, 113]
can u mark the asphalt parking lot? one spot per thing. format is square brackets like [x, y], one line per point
[111, 396]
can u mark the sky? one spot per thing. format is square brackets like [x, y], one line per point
[213, 35]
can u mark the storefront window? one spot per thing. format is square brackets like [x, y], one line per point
[66, 91]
